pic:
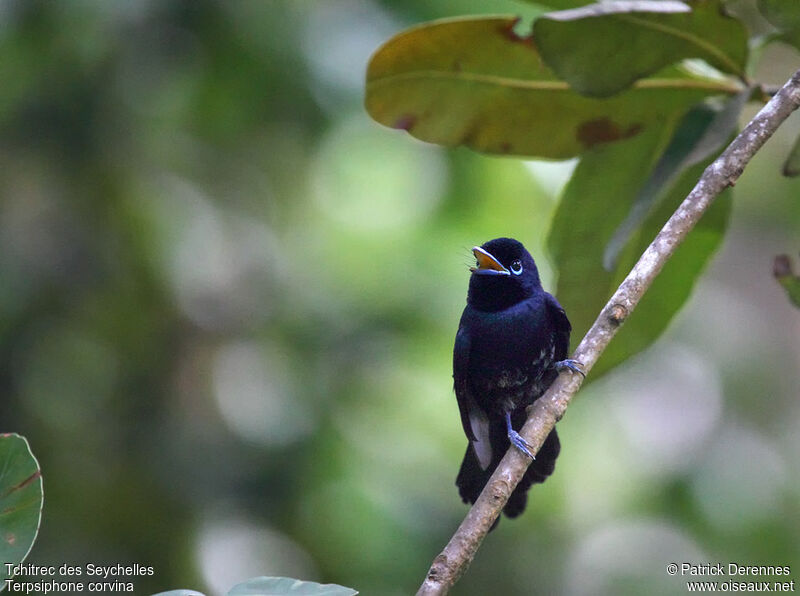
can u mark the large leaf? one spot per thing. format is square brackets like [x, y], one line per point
[596, 200]
[20, 501]
[286, 586]
[474, 81]
[785, 15]
[602, 49]
[702, 133]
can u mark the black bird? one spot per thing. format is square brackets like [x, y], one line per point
[511, 343]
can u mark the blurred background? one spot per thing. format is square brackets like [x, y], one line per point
[228, 300]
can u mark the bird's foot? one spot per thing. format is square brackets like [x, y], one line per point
[520, 443]
[572, 365]
[516, 439]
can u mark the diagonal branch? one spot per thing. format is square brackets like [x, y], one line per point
[548, 409]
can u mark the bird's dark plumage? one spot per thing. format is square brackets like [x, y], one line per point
[510, 338]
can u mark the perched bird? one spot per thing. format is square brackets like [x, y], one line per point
[511, 343]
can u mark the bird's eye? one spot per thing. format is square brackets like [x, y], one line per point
[516, 267]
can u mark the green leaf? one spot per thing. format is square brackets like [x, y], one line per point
[701, 134]
[583, 46]
[21, 499]
[280, 586]
[597, 198]
[782, 269]
[784, 14]
[475, 82]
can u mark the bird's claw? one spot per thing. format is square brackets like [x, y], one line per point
[572, 365]
[520, 443]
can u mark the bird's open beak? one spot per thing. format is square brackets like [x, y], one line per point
[487, 264]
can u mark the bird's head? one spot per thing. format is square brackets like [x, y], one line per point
[504, 274]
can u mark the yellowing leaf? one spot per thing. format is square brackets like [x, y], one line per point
[475, 82]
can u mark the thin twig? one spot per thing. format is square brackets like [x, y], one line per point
[548, 409]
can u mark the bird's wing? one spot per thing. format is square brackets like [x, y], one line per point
[562, 327]
[473, 417]
[460, 368]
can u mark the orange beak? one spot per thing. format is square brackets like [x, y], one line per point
[487, 264]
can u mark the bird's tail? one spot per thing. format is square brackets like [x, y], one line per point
[471, 478]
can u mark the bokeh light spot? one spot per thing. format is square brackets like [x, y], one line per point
[372, 181]
[232, 549]
[254, 394]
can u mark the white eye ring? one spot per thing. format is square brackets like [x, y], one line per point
[516, 267]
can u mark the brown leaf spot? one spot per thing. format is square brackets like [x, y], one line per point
[405, 122]
[23, 484]
[28, 480]
[603, 130]
[508, 31]
[505, 147]
[633, 130]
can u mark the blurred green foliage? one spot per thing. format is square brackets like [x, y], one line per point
[228, 301]
[783, 271]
